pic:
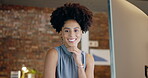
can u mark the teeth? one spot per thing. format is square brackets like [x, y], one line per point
[72, 39]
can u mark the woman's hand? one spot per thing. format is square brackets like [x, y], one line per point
[76, 55]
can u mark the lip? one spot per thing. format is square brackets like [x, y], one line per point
[72, 40]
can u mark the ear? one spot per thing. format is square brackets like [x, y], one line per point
[81, 32]
[60, 33]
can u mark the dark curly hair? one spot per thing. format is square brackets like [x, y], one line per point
[73, 11]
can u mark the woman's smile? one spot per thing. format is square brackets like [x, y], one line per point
[72, 40]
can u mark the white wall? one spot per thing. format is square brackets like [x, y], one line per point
[130, 30]
[85, 42]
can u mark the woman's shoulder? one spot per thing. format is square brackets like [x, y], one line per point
[89, 58]
[52, 52]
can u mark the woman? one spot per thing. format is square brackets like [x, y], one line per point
[67, 60]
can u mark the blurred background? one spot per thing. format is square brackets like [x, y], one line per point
[26, 34]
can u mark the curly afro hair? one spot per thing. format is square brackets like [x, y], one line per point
[73, 11]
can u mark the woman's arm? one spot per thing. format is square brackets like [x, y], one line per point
[89, 66]
[89, 73]
[50, 64]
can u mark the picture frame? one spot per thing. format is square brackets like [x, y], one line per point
[101, 56]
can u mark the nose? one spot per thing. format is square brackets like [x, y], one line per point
[71, 34]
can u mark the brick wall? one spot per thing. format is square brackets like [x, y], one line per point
[99, 32]
[26, 35]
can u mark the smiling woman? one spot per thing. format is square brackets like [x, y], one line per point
[67, 60]
[26, 34]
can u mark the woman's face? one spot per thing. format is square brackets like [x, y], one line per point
[71, 33]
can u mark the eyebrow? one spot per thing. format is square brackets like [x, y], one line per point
[69, 28]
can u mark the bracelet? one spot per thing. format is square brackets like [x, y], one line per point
[80, 66]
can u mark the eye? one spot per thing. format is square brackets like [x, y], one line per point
[66, 30]
[76, 30]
